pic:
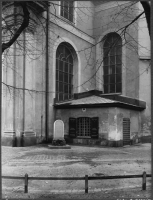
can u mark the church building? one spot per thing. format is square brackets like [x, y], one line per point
[82, 62]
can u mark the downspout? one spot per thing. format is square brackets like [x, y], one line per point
[24, 78]
[47, 81]
[14, 84]
[1, 100]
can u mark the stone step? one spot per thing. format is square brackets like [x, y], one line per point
[59, 147]
[89, 141]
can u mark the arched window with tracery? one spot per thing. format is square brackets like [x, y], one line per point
[64, 73]
[112, 67]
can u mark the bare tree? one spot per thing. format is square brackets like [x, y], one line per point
[15, 32]
[26, 17]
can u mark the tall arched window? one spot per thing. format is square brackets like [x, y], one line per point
[64, 73]
[112, 67]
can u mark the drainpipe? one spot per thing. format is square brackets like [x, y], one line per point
[1, 100]
[47, 80]
[24, 78]
[14, 84]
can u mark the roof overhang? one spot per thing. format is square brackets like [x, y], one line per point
[101, 102]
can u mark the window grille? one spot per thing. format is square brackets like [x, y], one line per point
[84, 126]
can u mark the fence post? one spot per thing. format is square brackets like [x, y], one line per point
[86, 183]
[144, 181]
[26, 184]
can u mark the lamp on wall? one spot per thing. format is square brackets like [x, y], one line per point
[83, 109]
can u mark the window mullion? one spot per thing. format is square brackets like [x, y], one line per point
[109, 72]
[115, 70]
[68, 10]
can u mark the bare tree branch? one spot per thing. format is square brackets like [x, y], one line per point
[135, 19]
[147, 10]
[24, 24]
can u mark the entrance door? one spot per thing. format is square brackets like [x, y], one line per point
[126, 131]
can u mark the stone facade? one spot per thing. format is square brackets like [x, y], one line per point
[110, 124]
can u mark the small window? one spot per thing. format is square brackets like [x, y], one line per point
[67, 10]
[84, 127]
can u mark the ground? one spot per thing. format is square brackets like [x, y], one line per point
[78, 161]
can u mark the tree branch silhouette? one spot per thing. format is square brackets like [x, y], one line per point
[25, 23]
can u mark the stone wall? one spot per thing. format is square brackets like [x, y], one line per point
[110, 123]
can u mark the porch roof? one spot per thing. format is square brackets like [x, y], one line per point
[97, 101]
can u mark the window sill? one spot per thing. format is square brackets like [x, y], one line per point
[119, 93]
[67, 21]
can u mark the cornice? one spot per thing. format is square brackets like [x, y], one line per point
[110, 4]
